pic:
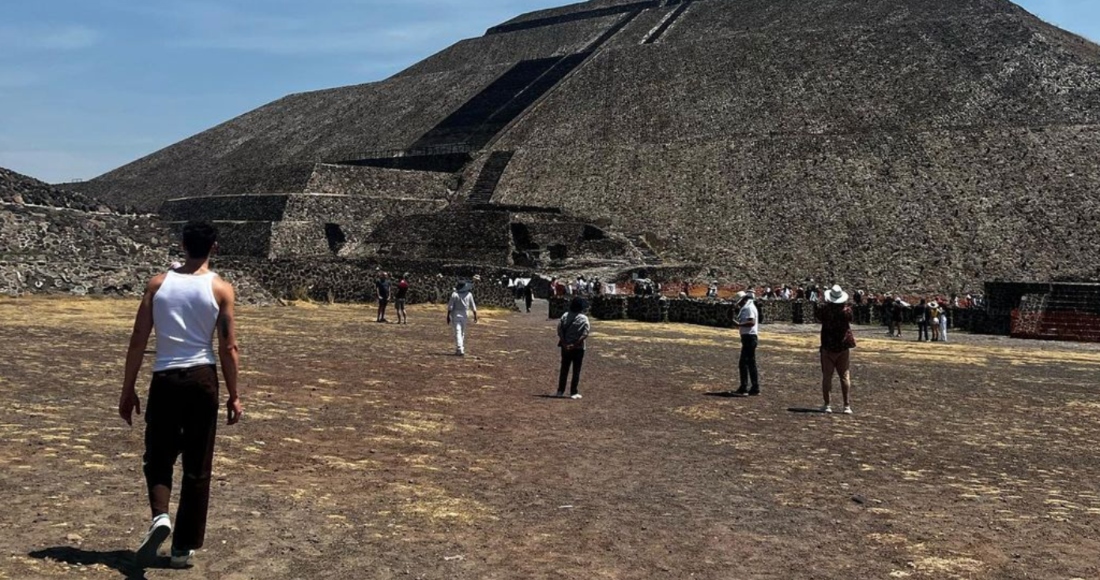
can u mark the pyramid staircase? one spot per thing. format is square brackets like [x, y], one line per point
[651, 258]
[681, 7]
[487, 180]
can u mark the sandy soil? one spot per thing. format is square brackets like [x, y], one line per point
[369, 451]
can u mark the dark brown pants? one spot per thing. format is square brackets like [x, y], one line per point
[181, 417]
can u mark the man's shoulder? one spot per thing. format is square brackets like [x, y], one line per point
[156, 282]
[223, 288]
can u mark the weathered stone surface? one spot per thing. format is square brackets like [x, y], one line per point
[349, 280]
[59, 250]
[912, 146]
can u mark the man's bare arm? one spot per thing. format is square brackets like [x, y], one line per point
[227, 347]
[129, 401]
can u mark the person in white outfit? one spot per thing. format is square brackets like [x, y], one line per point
[459, 309]
[943, 324]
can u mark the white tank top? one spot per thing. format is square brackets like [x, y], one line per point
[185, 313]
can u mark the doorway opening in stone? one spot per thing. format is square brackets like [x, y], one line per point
[336, 238]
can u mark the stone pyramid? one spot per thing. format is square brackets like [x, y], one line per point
[888, 144]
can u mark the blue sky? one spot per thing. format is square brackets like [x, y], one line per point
[88, 85]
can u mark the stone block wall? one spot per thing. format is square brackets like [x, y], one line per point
[258, 207]
[47, 250]
[460, 236]
[375, 181]
[281, 225]
[242, 238]
[344, 280]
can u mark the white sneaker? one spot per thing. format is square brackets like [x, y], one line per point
[847, 410]
[181, 558]
[146, 554]
[575, 396]
[826, 409]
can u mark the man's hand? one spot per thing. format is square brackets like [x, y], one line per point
[128, 402]
[234, 410]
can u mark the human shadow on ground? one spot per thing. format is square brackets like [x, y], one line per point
[120, 560]
[560, 398]
[728, 394]
[806, 410]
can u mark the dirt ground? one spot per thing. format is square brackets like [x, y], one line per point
[369, 451]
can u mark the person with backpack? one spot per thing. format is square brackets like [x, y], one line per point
[837, 342]
[573, 331]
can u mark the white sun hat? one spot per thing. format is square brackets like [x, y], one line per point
[835, 295]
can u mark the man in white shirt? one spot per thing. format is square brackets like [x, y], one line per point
[460, 306]
[748, 324]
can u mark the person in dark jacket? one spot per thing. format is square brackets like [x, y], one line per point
[383, 286]
[922, 314]
[573, 329]
[528, 295]
[837, 343]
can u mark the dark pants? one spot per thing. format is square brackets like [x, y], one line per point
[747, 365]
[574, 358]
[922, 330]
[382, 302]
[528, 300]
[181, 418]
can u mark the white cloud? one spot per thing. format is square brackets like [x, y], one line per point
[66, 37]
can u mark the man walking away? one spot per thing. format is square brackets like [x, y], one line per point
[837, 341]
[573, 330]
[460, 306]
[383, 285]
[747, 324]
[528, 295]
[400, 298]
[186, 307]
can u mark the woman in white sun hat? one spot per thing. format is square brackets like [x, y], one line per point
[837, 343]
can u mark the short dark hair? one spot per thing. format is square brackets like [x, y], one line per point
[199, 238]
[577, 305]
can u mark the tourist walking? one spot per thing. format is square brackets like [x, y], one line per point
[837, 342]
[921, 314]
[934, 319]
[573, 330]
[186, 307]
[943, 324]
[459, 309]
[748, 325]
[383, 286]
[400, 298]
[528, 295]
